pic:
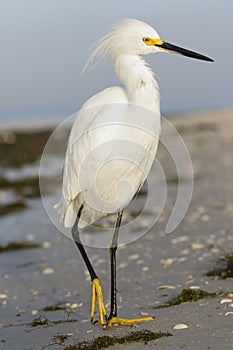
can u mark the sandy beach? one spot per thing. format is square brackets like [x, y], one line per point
[45, 290]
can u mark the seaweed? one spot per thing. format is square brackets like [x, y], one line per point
[54, 307]
[12, 207]
[44, 322]
[103, 342]
[12, 246]
[20, 148]
[188, 295]
[223, 267]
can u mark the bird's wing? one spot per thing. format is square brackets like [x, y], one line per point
[85, 135]
[110, 152]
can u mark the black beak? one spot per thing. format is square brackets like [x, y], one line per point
[184, 52]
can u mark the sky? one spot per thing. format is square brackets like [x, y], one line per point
[45, 44]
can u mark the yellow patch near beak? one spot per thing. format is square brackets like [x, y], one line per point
[152, 42]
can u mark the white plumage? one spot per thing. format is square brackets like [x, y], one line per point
[114, 138]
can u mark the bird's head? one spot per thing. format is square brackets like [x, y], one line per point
[131, 36]
[134, 37]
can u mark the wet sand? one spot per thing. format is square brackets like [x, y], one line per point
[45, 290]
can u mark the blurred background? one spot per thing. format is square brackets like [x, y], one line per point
[44, 45]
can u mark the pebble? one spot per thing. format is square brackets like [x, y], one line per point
[134, 257]
[48, 271]
[224, 301]
[34, 292]
[34, 312]
[180, 326]
[205, 218]
[144, 313]
[230, 305]
[182, 259]
[122, 265]
[197, 246]
[166, 262]
[140, 261]
[46, 245]
[30, 237]
[3, 296]
[179, 239]
[74, 306]
[185, 251]
[228, 313]
[89, 331]
[145, 268]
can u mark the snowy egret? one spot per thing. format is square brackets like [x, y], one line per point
[124, 45]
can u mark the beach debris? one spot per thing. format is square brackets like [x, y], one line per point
[167, 262]
[30, 237]
[34, 312]
[145, 268]
[134, 257]
[122, 265]
[187, 295]
[16, 206]
[12, 246]
[205, 218]
[48, 271]
[185, 251]
[179, 239]
[144, 313]
[197, 246]
[164, 287]
[224, 301]
[74, 306]
[46, 245]
[3, 296]
[223, 267]
[106, 341]
[43, 321]
[180, 326]
[55, 307]
[195, 287]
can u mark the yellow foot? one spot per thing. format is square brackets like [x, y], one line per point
[127, 322]
[97, 292]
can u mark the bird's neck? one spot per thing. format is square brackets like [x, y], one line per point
[141, 86]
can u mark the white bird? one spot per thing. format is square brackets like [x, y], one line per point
[92, 173]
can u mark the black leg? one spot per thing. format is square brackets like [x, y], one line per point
[113, 249]
[75, 235]
[96, 285]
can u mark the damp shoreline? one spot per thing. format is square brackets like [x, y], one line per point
[179, 278]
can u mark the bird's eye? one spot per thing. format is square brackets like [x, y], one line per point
[146, 40]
